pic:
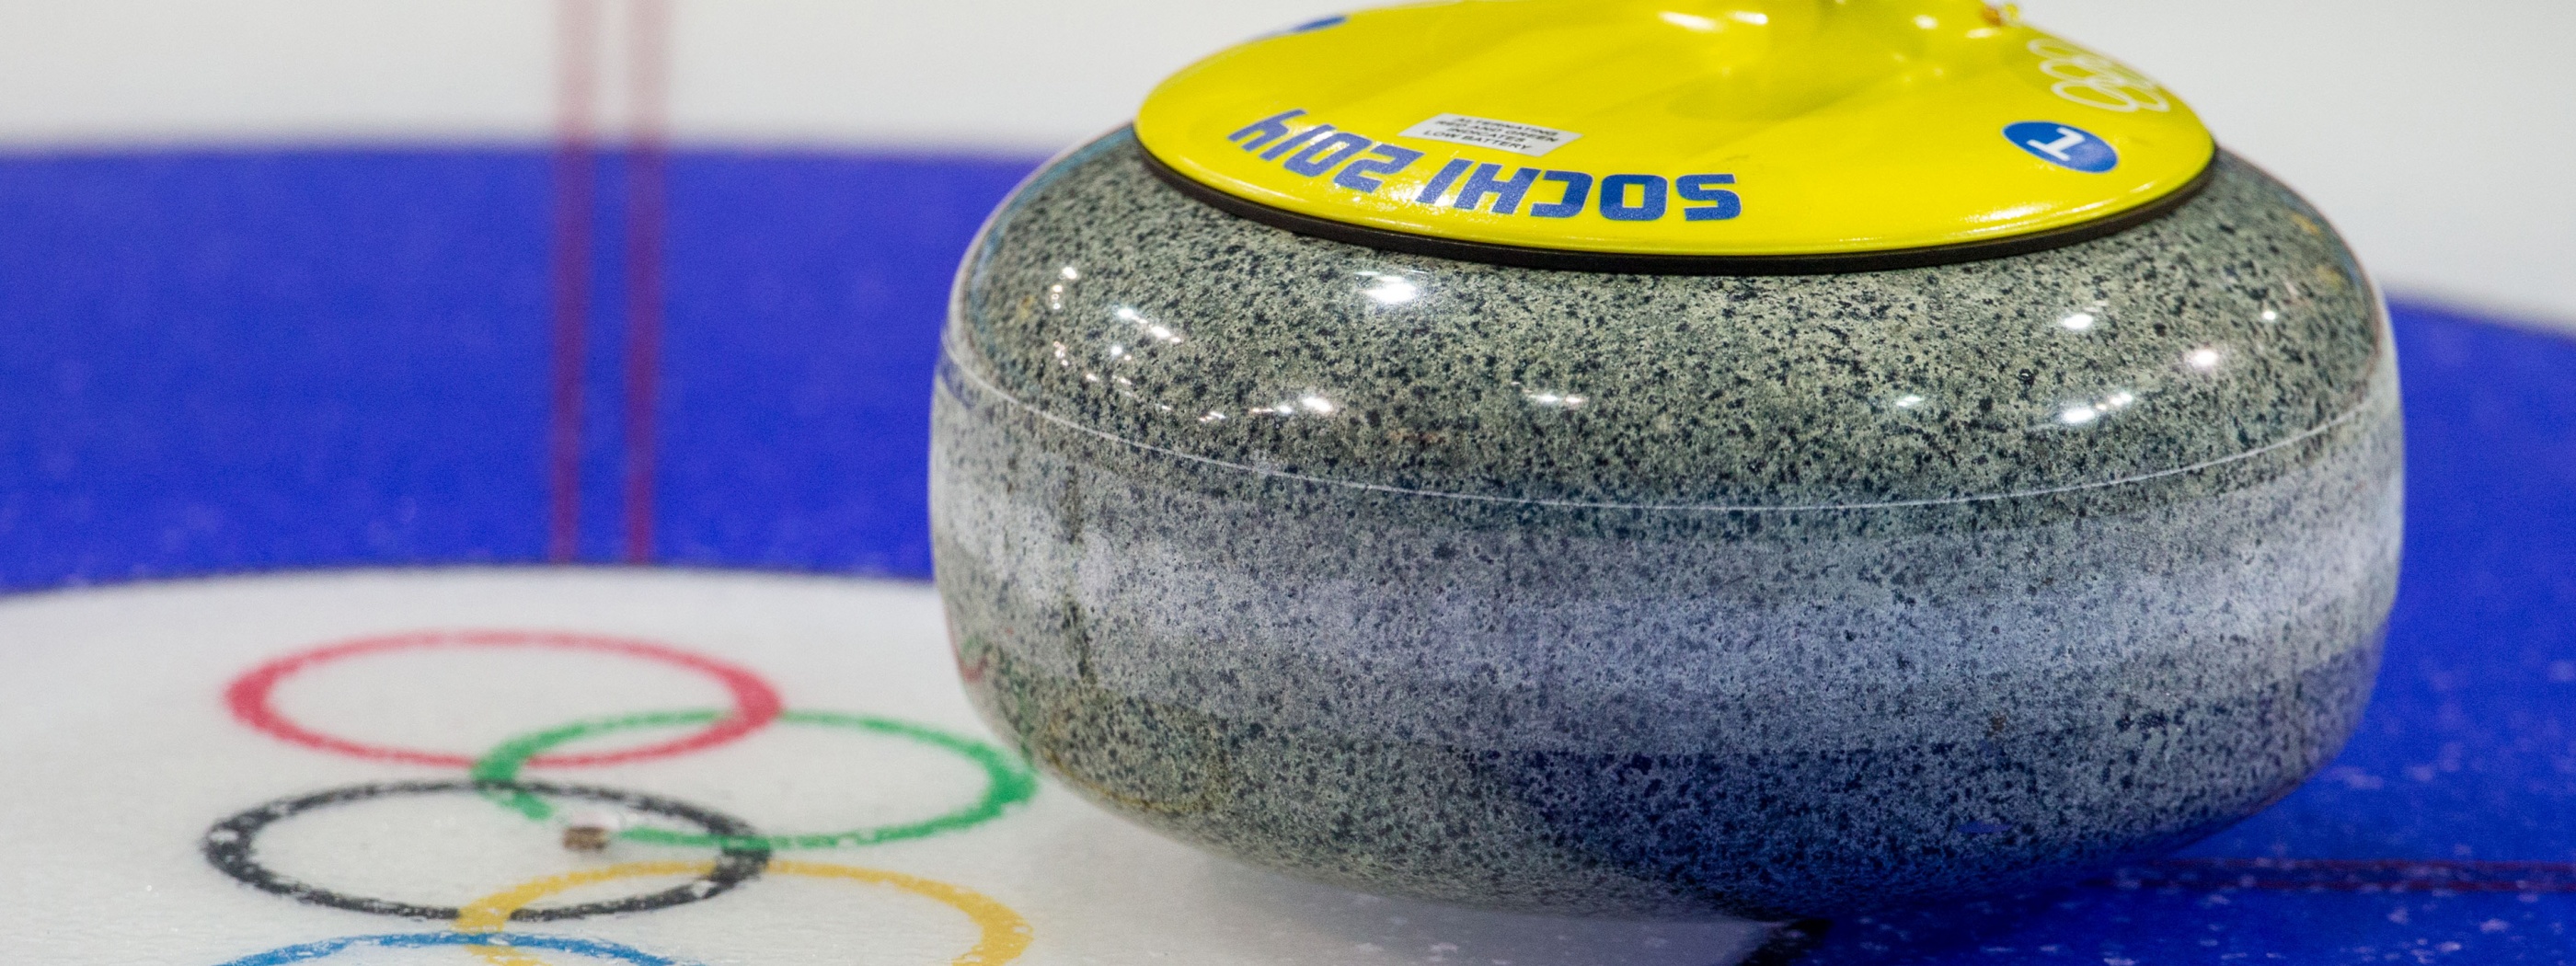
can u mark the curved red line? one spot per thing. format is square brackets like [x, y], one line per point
[755, 702]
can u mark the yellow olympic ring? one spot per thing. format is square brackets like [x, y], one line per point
[1004, 934]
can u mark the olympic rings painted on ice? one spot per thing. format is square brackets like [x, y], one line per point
[230, 845]
[1003, 933]
[594, 948]
[742, 853]
[2093, 80]
[755, 702]
[1007, 781]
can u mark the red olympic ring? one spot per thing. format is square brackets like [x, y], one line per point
[755, 703]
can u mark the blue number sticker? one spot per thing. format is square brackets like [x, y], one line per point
[2063, 145]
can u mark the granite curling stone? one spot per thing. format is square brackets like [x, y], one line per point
[1339, 471]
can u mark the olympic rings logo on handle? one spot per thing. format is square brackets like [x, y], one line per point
[2093, 80]
[743, 853]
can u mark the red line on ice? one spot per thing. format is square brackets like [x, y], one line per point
[648, 87]
[576, 62]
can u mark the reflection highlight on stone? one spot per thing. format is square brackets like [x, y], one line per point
[1390, 289]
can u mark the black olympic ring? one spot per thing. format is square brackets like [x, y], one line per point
[228, 846]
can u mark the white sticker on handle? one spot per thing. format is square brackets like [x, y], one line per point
[1485, 132]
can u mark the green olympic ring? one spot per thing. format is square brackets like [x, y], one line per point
[1009, 780]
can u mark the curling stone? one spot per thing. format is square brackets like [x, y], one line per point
[1677, 459]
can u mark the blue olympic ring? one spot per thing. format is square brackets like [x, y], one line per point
[415, 940]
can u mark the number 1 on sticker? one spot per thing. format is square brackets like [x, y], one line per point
[2066, 138]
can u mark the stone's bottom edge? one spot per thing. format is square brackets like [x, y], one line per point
[1761, 837]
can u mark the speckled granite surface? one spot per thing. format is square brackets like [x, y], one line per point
[1664, 595]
